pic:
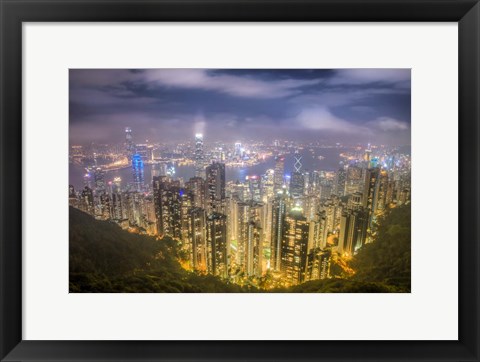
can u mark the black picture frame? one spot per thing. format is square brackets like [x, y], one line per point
[14, 12]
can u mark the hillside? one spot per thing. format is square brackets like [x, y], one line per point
[106, 259]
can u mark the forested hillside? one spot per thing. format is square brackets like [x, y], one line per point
[106, 259]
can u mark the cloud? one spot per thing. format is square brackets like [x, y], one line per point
[224, 83]
[388, 124]
[322, 119]
[368, 76]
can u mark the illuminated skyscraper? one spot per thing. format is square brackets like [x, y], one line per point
[341, 179]
[381, 194]
[217, 246]
[294, 247]
[367, 156]
[255, 188]
[254, 249]
[117, 206]
[105, 207]
[318, 264]
[370, 191]
[268, 185]
[129, 145]
[354, 180]
[278, 220]
[138, 173]
[215, 183]
[297, 182]
[197, 239]
[279, 173]
[250, 221]
[196, 185]
[199, 156]
[86, 203]
[353, 231]
[167, 202]
[99, 176]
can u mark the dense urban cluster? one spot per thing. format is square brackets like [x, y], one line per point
[291, 228]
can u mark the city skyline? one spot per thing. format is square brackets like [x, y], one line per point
[254, 211]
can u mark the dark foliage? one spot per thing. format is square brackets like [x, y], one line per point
[106, 259]
[388, 259]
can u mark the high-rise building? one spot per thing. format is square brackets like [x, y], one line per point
[367, 156]
[215, 184]
[217, 245]
[294, 247]
[100, 186]
[370, 191]
[196, 185]
[255, 188]
[354, 181]
[318, 264]
[87, 201]
[353, 231]
[297, 184]
[279, 207]
[105, 207]
[129, 145]
[250, 225]
[138, 173]
[199, 156]
[268, 185]
[381, 194]
[166, 195]
[117, 206]
[254, 249]
[279, 171]
[341, 179]
[197, 239]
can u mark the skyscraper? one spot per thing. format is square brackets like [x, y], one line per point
[255, 188]
[370, 190]
[297, 182]
[215, 183]
[197, 239]
[129, 146]
[341, 179]
[99, 176]
[250, 232]
[217, 252]
[86, 203]
[138, 172]
[278, 220]
[294, 247]
[367, 157]
[166, 195]
[278, 173]
[199, 155]
[196, 185]
[353, 231]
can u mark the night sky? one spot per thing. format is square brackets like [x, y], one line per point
[170, 105]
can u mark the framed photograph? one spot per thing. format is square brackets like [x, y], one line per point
[246, 180]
